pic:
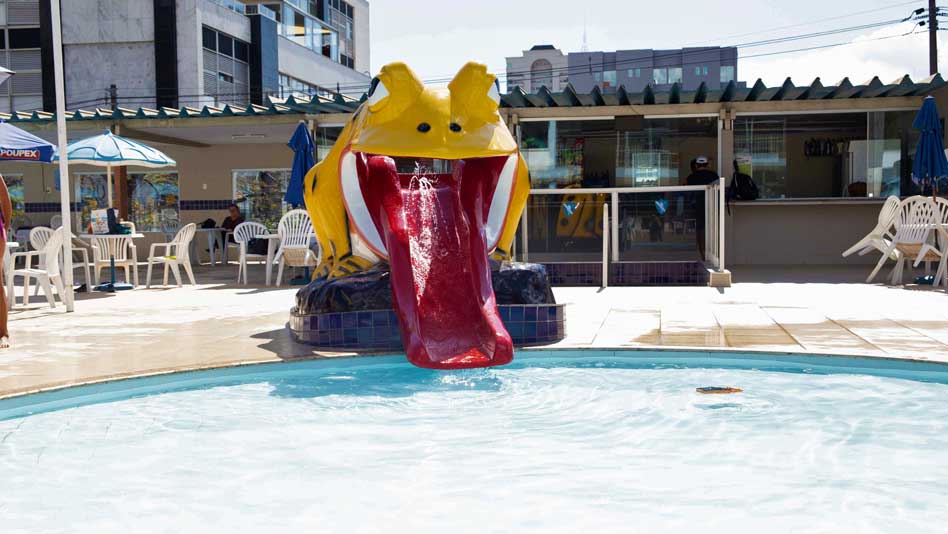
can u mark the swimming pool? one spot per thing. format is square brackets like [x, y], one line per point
[607, 441]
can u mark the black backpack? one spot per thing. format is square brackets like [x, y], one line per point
[743, 188]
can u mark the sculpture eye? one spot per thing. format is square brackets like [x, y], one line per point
[424, 127]
[455, 127]
[377, 93]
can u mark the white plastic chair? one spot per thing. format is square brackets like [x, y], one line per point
[941, 239]
[104, 248]
[46, 277]
[295, 230]
[914, 225]
[55, 221]
[38, 238]
[881, 236]
[177, 253]
[7, 267]
[242, 235]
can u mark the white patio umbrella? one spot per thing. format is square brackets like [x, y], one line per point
[109, 150]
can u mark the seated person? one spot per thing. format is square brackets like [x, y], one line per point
[234, 218]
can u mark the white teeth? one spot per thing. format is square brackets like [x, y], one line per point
[358, 211]
[366, 240]
[500, 202]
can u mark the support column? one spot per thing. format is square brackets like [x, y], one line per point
[726, 144]
[120, 175]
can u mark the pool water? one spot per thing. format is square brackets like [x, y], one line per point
[597, 443]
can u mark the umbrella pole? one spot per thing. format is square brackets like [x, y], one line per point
[56, 23]
[108, 181]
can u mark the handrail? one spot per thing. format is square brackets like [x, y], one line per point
[606, 190]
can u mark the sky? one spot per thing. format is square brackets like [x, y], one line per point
[436, 37]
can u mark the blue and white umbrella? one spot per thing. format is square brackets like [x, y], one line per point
[110, 150]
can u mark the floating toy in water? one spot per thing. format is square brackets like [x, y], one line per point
[715, 390]
[371, 202]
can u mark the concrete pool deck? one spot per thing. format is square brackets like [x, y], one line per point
[219, 324]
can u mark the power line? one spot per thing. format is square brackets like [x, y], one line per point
[814, 21]
[833, 45]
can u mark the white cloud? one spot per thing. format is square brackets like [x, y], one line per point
[866, 56]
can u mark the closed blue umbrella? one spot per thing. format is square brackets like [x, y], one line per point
[19, 145]
[303, 160]
[930, 163]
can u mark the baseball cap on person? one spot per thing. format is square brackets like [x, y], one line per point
[701, 160]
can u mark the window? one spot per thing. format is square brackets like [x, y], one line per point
[209, 38]
[241, 51]
[24, 38]
[660, 76]
[298, 25]
[225, 45]
[704, 71]
[597, 76]
[634, 73]
[828, 155]
[326, 137]
[541, 75]
[259, 193]
[19, 51]
[674, 75]
[727, 73]
[226, 72]
[609, 78]
[15, 189]
[153, 201]
[91, 193]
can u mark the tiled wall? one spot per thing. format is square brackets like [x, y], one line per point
[49, 207]
[194, 205]
[628, 274]
[528, 324]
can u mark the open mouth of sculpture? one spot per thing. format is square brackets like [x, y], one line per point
[436, 230]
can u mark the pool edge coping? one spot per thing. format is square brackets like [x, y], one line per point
[63, 385]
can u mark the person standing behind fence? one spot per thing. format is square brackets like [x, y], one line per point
[6, 217]
[700, 175]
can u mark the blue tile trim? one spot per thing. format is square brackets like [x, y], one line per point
[528, 324]
[49, 207]
[193, 205]
[691, 273]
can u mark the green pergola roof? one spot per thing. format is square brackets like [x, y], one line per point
[544, 98]
[289, 106]
[758, 92]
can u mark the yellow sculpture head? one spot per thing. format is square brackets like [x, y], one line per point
[401, 118]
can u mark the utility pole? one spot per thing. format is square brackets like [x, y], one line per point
[932, 37]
